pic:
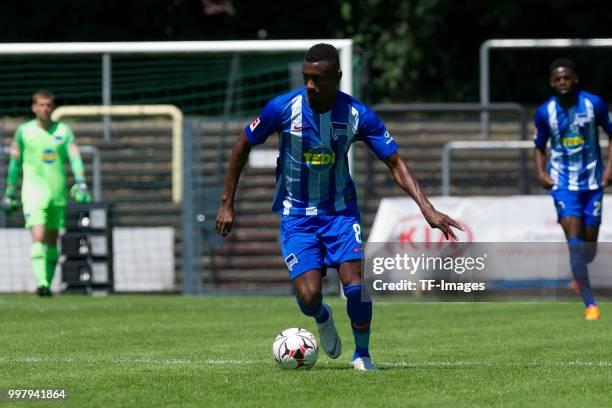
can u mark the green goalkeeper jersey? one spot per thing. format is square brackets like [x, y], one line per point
[44, 154]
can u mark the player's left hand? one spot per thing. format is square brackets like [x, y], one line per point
[607, 177]
[80, 194]
[443, 222]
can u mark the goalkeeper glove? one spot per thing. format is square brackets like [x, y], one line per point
[9, 202]
[80, 194]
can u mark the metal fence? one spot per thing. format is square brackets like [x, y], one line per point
[488, 45]
[473, 145]
[482, 145]
[201, 197]
[460, 107]
[387, 111]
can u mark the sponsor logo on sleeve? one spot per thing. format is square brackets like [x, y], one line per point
[388, 137]
[254, 124]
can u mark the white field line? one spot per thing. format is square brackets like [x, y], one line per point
[390, 303]
[517, 364]
[120, 360]
[221, 362]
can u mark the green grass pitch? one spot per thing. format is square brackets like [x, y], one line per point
[173, 351]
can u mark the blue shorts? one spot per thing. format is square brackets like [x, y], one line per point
[320, 241]
[585, 205]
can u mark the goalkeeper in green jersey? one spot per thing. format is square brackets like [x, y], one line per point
[41, 147]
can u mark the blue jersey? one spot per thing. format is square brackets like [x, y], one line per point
[575, 158]
[312, 173]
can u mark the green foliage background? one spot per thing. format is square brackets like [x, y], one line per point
[417, 50]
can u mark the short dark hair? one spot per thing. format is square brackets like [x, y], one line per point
[323, 52]
[562, 63]
[42, 93]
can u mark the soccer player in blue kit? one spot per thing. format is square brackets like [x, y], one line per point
[320, 225]
[575, 174]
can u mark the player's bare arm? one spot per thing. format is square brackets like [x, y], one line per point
[240, 155]
[406, 180]
[606, 180]
[540, 164]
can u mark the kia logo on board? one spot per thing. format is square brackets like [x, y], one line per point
[414, 233]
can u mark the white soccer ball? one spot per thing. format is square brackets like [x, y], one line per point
[295, 348]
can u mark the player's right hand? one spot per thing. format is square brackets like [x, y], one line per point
[546, 181]
[9, 202]
[225, 219]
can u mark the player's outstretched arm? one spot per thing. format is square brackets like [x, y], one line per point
[225, 214]
[406, 180]
[540, 164]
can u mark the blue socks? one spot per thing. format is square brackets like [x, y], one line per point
[580, 270]
[590, 251]
[360, 313]
[319, 313]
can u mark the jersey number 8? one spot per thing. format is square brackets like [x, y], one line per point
[357, 229]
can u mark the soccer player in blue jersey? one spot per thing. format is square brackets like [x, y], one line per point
[575, 175]
[320, 224]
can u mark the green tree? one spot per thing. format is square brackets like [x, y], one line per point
[427, 50]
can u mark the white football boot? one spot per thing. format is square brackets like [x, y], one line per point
[330, 341]
[364, 364]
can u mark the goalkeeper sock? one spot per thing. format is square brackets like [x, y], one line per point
[580, 269]
[360, 313]
[52, 256]
[38, 254]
